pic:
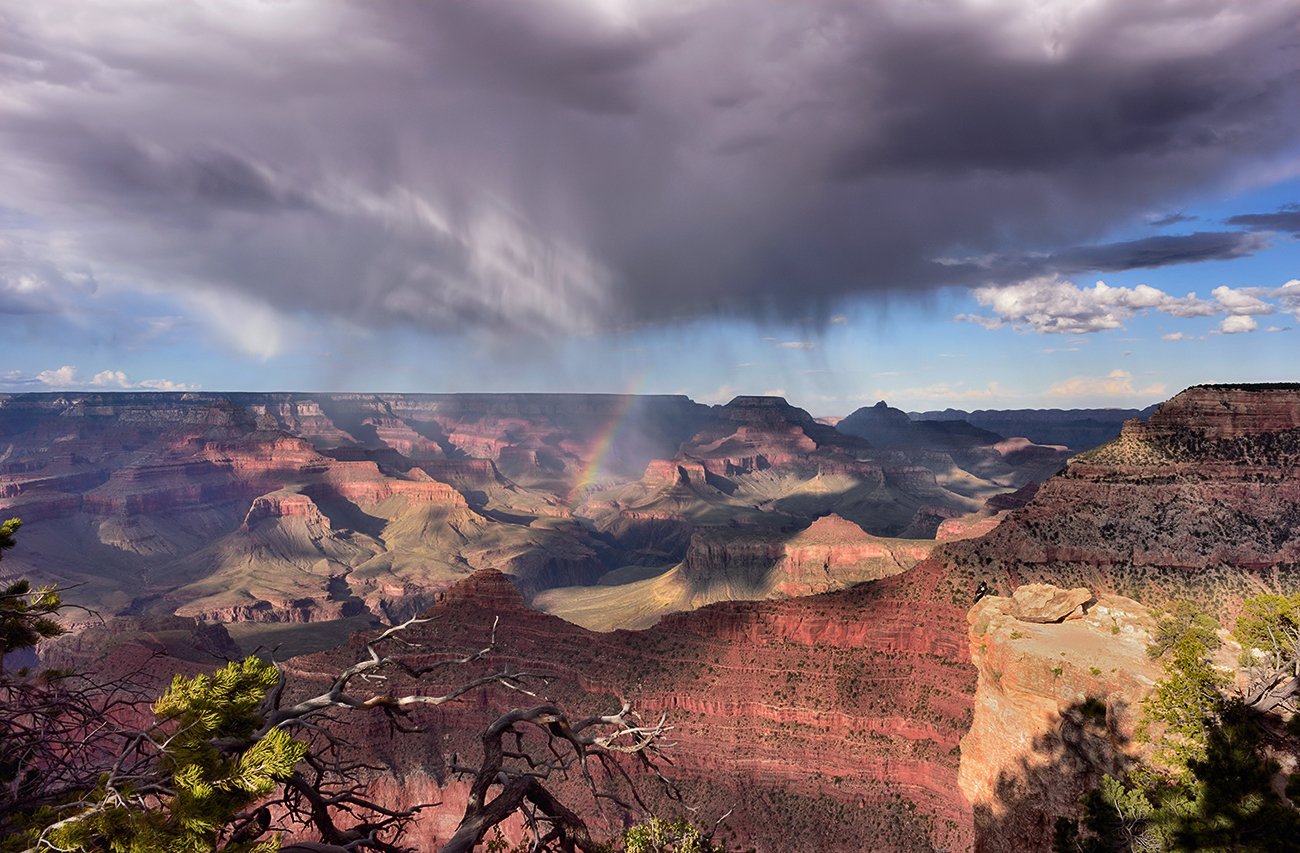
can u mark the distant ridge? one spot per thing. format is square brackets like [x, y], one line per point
[887, 427]
[1077, 429]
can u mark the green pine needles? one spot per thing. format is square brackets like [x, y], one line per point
[24, 611]
[204, 787]
[1188, 702]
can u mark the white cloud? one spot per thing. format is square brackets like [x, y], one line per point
[1288, 296]
[1117, 383]
[65, 375]
[110, 378]
[804, 345]
[839, 319]
[1236, 324]
[1241, 302]
[1179, 336]
[66, 378]
[164, 385]
[1054, 305]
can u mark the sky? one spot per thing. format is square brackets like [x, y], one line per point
[970, 204]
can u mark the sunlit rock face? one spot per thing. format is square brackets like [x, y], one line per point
[1202, 501]
[1055, 708]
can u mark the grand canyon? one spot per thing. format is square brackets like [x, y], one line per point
[625, 426]
[798, 599]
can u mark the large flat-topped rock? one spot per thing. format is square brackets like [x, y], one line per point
[1042, 602]
[1231, 411]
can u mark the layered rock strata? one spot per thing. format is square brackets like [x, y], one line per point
[827, 723]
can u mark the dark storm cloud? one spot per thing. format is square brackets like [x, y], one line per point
[1159, 251]
[1145, 253]
[1170, 219]
[1285, 219]
[571, 165]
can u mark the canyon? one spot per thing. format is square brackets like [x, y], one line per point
[800, 602]
[981, 725]
[291, 508]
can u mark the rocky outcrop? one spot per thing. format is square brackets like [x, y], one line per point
[735, 559]
[1056, 705]
[1041, 602]
[1228, 412]
[284, 503]
[673, 472]
[833, 552]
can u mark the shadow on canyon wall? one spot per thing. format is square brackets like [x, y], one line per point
[1050, 782]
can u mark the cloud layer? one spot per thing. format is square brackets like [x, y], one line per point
[1118, 384]
[1054, 305]
[572, 166]
[68, 377]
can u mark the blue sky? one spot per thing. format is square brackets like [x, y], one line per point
[291, 198]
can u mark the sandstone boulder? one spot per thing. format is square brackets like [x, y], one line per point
[1042, 602]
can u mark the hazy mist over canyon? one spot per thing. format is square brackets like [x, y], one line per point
[649, 427]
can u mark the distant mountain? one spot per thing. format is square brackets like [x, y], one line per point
[1077, 429]
[893, 429]
[980, 453]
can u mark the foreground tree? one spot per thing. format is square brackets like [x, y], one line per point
[1269, 633]
[25, 613]
[225, 762]
[1210, 784]
[1188, 701]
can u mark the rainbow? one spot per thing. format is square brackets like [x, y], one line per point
[605, 438]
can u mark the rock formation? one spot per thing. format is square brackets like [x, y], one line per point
[1040, 602]
[1201, 501]
[1056, 705]
[726, 564]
